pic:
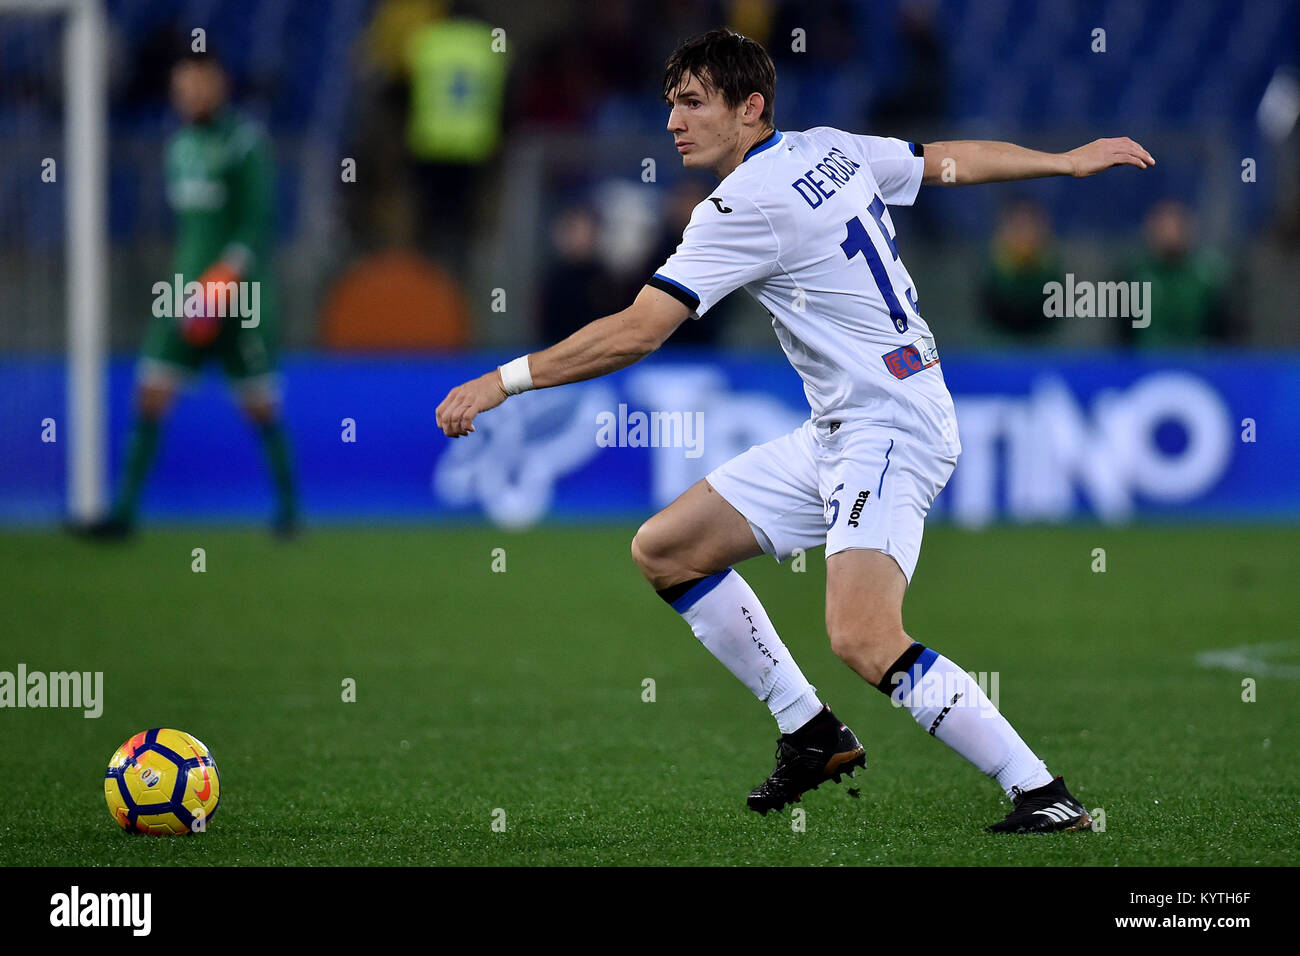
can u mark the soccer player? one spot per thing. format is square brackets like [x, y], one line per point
[219, 176]
[801, 220]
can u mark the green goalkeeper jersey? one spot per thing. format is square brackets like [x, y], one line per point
[220, 187]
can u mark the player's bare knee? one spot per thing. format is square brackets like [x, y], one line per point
[641, 549]
[153, 401]
[652, 554]
[637, 549]
[664, 558]
[262, 411]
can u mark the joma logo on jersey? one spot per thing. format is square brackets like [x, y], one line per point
[718, 202]
[858, 505]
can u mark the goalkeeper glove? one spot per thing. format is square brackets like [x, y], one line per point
[202, 329]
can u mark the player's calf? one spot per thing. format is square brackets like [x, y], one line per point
[261, 405]
[153, 401]
[864, 611]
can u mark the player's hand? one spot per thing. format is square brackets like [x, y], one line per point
[202, 329]
[1104, 153]
[455, 414]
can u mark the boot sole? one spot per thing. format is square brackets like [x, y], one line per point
[841, 765]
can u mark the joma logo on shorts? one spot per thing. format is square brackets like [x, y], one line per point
[858, 505]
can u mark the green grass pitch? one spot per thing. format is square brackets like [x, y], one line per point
[521, 692]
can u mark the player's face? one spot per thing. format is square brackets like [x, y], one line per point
[198, 90]
[705, 131]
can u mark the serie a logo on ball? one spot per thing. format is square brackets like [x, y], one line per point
[162, 782]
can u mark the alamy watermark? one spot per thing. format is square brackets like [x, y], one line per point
[1098, 300]
[639, 429]
[226, 300]
[949, 690]
[128, 910]
[78, 689]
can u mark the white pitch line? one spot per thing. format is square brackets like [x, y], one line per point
[1255, 659]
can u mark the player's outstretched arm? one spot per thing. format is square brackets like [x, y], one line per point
[598, 348]
[967, 162]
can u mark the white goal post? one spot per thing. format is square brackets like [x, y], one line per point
[84, 166]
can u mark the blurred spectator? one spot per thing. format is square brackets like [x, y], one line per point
[380, 205]
[1022, 261]
[920, 94]
[386, 41]
[753, 18]
[458, 76]
[148, 66]
[577, 287]
[913, 103]
[616, 56]
[1188, 300]
[556, 91]
[827, 40]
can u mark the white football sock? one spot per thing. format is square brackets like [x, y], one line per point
[945, 701]
[726, 617]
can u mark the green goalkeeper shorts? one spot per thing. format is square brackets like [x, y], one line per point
[248, 356]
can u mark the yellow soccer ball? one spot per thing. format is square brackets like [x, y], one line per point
[163, 783]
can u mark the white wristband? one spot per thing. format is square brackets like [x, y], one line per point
[516, 376]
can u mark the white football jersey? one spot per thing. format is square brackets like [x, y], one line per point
[802, 223]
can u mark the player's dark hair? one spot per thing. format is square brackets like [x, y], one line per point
[725, 62]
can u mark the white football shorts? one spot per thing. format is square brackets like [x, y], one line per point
[855, 486]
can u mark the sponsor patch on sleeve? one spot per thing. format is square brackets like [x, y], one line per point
[912, 358]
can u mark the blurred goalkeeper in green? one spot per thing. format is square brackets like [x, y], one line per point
[219, 300]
